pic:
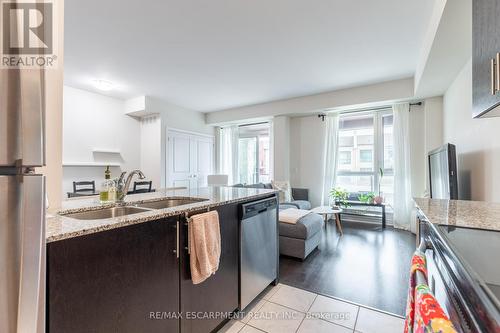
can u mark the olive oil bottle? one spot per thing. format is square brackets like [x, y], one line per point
[106, 185]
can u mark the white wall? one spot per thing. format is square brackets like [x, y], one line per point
[177, 117]
[478, 149]
[383, 92]
[93, 121]
[151, 148]
[426, 134]
[417, 150]
[434, 137]
[307, 145]
[281, 151]
[174, 117]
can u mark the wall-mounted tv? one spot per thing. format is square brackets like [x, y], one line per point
[443, 172]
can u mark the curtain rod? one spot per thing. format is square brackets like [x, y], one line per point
[252, 124]
[322, 115]
[245, 125]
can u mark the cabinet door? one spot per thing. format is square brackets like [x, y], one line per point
[121, 280]
[486, 44]
[219, 293]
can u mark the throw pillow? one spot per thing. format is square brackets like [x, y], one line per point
[285, 190]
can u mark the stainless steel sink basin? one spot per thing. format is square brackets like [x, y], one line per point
[167, 203]
[106, 213]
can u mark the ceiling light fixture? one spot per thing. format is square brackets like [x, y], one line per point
[103, 85]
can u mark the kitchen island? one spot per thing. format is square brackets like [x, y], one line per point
[131, 273]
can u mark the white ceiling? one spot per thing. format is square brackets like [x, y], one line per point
[219, 54]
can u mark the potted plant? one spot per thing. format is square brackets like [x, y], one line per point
[367, 198]
[340, 197]
[379, 198]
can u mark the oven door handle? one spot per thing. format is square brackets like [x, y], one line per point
[421, 278]
[424, 246]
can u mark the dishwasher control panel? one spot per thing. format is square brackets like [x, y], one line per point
[253, 208]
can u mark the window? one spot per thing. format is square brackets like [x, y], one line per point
[346, 141]
[345, 157]
[264, 159]
[365, 156]
[247, 160]
[387, 137]
[365, 139]
[365, 147]
[254, 154]
[355, 183]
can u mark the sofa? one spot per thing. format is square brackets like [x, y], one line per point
[300, 195]
[300, 239]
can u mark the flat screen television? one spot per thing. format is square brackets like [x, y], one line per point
[443, 172]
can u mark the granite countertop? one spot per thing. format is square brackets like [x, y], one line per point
[471, 214]
[59, 227]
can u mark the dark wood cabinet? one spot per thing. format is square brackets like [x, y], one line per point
[486, 46]
[218, 294]
[121, 280]
[130, 279]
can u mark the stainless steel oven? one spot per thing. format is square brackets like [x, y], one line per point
[468, 299]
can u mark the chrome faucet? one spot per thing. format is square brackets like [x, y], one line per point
[122, 186]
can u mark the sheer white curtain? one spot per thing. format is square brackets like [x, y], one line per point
[228, 153]
[330, 157]
[403, 202]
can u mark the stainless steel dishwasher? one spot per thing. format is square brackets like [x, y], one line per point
[258, 248]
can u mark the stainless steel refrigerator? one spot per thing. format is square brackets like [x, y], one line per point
[22, 201]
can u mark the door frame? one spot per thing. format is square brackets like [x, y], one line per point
[165, 162]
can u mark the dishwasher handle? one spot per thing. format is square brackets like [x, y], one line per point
[257, 207]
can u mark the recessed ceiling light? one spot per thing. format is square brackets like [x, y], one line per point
[103, 85]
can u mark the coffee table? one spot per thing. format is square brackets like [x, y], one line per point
[327, 210]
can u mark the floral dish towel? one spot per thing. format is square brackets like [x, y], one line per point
[423, 312]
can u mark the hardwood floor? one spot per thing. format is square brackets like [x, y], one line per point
[367, 265]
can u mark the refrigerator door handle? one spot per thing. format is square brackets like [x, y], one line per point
[31, 307]
[22, 117]
[33, 117]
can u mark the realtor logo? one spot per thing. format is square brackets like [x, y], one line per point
[27, 34]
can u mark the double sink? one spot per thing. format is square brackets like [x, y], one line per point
[110, 212]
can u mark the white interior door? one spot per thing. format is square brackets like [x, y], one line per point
[179, 157]
[190, 159]
[204, 159]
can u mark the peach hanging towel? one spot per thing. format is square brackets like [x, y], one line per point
[204, 245]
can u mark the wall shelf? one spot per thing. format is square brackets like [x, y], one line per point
[90, 164]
